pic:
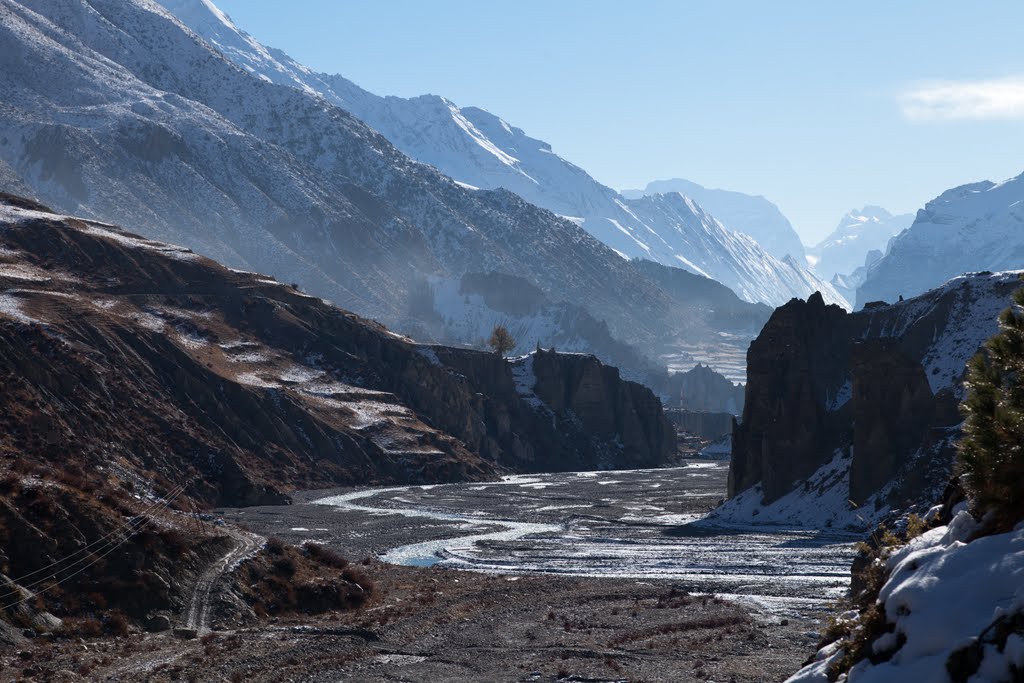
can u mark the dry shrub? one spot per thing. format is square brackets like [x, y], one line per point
[117, 622]
[285, 566]
[84, 627]
[324, 555]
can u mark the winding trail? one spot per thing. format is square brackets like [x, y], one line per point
[198, 613]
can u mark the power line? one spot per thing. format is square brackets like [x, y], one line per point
[71, 576]
[130, 527]
[101, 539]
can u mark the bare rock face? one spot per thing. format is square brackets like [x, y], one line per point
[562, 412]
[885, 381]
[590, 396]
[704, 389]
[787, 429]
[893, 410]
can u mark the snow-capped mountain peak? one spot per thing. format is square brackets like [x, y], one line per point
[479, 149]
[749, 214]
[859, 232]
[973, 227]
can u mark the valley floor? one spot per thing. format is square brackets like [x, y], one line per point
[443, 625]
[609, 576]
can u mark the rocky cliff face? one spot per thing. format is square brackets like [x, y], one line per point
[623, 421]
[146, 358]
[881, 385]
[579, 414]
[787, 427]
[703, 389]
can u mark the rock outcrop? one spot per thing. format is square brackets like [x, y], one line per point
[788, 430]
[884, 382]
[560, 412]
[703, 389]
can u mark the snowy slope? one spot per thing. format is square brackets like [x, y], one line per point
[945, 593]
[749, 214]
[476, 148]
[969, 228]
[859, 232]
[115, 111]
[819, 502]
[969, 307]
[732, 258]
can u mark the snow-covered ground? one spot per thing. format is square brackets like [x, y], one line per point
[943, 592]
[640, 524]
[820, 501]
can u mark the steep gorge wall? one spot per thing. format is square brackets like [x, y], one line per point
[884, 382]
[791, 418]
[559, 412]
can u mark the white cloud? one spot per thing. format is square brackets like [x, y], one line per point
[958, 100]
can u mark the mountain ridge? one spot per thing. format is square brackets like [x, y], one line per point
[973, 227]
[116, 111]
[859, 232]
[479, 149]
[753, 215]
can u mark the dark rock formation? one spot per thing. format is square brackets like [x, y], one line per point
[893, 409]
[885, 381]
[703, 389]
[561, 412]
[596, 405]
[708, 425]
[787, 432]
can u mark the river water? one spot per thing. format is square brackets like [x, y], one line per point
[640, 524]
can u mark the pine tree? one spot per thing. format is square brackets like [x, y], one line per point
[501, 340]
[991, 454]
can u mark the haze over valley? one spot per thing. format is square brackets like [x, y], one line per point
[309, 381]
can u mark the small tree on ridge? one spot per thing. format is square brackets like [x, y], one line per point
[501, 340]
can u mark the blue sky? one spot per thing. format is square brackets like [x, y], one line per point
[819, 106]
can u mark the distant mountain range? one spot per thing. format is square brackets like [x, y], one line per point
[115, 111]
[480, 150]
[752, 215]
[859, 233]
[976, 227]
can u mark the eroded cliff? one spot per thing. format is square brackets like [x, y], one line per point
[876, 391]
